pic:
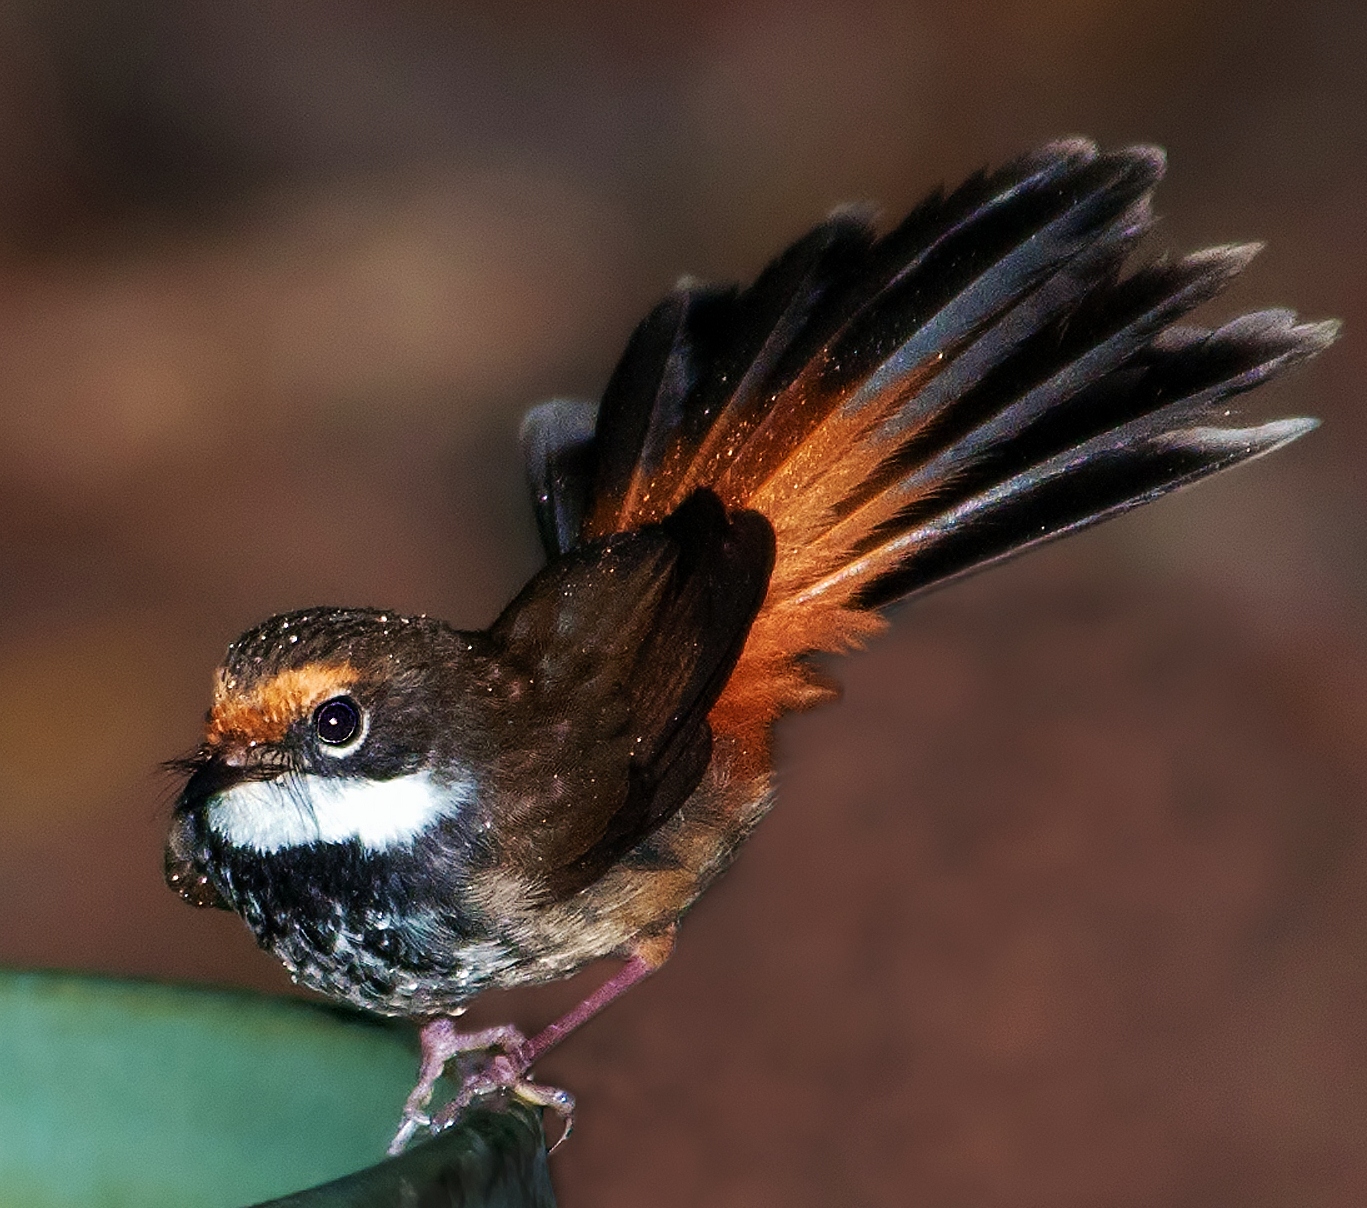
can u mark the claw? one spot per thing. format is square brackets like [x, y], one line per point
[561, 1102]
[409, 1126]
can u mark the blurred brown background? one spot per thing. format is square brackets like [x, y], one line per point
[1063, 905]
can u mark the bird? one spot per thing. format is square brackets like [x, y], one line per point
[406, 814]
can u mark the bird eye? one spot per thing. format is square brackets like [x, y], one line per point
[337, 722]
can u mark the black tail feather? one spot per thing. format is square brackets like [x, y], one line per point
[1017, 383]
[1105, 477]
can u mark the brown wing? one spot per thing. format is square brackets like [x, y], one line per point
[620, 649]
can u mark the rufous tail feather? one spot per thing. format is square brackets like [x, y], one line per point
[907, 408]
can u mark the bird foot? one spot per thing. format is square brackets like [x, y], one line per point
[502, 1070]
[506, 1073]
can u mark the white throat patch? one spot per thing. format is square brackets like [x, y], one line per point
[295, 810]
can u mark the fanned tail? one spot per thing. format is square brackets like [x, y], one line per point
[907, 408]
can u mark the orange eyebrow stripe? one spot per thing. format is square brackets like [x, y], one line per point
[265, 714]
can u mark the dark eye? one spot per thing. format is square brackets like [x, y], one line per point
[337, 721]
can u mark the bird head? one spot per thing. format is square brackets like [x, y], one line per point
[328, 727]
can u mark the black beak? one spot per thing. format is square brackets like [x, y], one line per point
[187, 869]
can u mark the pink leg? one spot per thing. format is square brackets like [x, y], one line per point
[638, 968]
[508, 1070]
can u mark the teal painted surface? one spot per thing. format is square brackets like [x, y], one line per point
[124, 1093]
